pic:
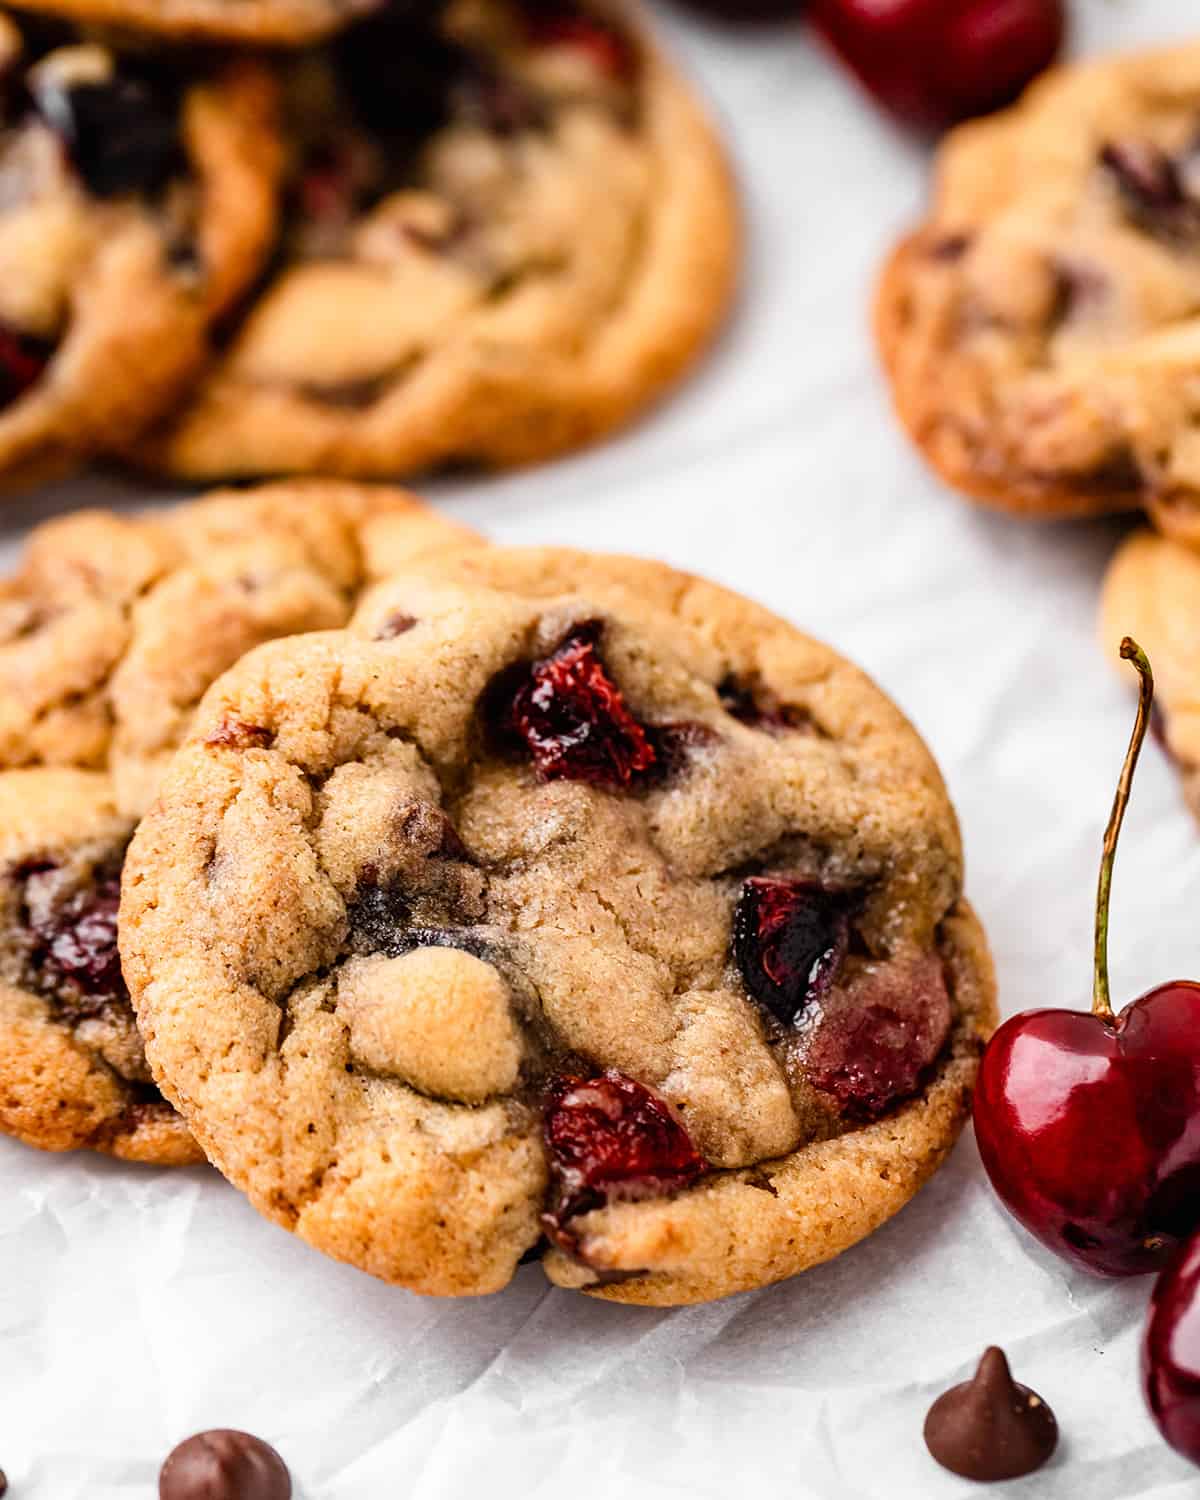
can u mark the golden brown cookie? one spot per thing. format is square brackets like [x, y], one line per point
[110, 632]
[562, 895]
[140, 202]
[261, 23]
[1039, 328]
[510, 228]
[1152, 592]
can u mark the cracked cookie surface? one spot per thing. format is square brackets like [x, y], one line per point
[1152, 592]
[139, 202]
[110, 632]
[1041, 329]
[509, 228]
[560, 896]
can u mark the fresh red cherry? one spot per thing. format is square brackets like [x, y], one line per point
[1171, 1352]
[932, 62]
[1089, 1125]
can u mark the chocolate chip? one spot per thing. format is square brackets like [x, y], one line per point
[3, 1484]
[991, 1428]
[122, 135]
[396, 624]
[224, 1465]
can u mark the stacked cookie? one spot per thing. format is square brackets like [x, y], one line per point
[477, 230]
[1040, 332]
[486, 903]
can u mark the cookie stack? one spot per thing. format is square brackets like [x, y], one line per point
[253, 237]
[1040, 332]
[468, 904]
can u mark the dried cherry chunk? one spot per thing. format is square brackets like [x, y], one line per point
[789, 939]
[612, 1139]
[557, 23]
[569, 715]
[76, 939]
[880, 1034]
[23, 358]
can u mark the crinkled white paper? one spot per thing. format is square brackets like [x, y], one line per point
[138, 1306]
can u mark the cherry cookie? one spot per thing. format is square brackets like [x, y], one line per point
[140, 202]
[1038, 328]
[564, 905]
[110, 632]
[1152, 591]
[509, 228]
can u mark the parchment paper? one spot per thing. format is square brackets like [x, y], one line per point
[138, 1306]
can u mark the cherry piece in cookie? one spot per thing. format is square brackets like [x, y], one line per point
[224, 1465]
[991, 1428]
[932, 62]
[882, 1032]
[789, 940]
[1171, 1352]
[77, 939]
[551, 23]
[22, 360]
[611, 1138]
[1089, 1125]
[570, 716]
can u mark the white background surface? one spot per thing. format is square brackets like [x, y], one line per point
[137, 1307]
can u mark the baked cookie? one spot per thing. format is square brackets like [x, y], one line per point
[1152, 592]
[1039, 329]
[511, 227]
[109, 634]
[140, 200]
[72, 1069]
[252, 22]
[568, 896]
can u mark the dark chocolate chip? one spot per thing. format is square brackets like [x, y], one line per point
[991, 1428]
[122, 135]
[3, 1484]
[396, 624]
[224, 1465]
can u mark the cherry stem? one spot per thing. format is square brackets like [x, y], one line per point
[1130, 651]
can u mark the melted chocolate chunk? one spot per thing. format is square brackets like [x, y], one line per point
[1153, 189]
[224, 1465]
[753, 704]
[990, 1428]
[397, 623]
[399, 73]
[121, 134]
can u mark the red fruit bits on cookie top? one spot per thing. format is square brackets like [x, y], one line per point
[612, 1139]
[570, 716]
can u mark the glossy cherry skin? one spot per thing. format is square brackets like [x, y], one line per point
[1171, 1352]
[932, 62]
[1090, 1129]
